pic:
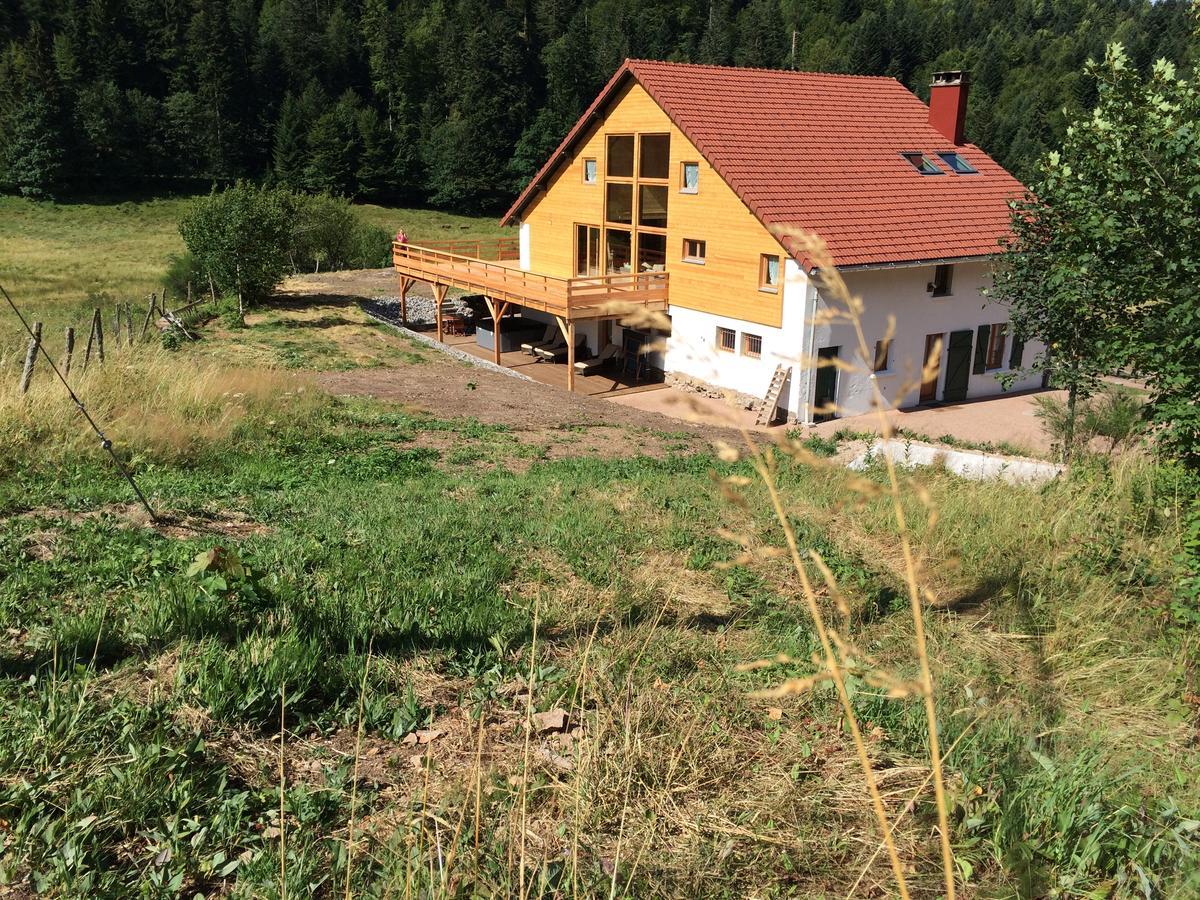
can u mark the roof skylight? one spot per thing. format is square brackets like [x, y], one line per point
[923, 164]
[957, 163]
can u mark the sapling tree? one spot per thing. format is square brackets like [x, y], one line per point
[241, 237]
[1104, 262]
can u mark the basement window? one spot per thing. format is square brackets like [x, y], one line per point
[726, 339]
[922, 163]
[958, 165]
[883, 356]
[751, 344]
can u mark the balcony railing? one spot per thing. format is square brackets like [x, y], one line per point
[571, 298]
[488, 248]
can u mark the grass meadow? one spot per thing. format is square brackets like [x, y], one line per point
[313, 678]
[377, 650]
[54, 257]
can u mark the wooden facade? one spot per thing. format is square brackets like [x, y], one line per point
[726, 283]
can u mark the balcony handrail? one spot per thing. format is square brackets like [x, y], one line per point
[557, 295]
[499, 248]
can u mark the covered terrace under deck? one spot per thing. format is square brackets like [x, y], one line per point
[491, 270]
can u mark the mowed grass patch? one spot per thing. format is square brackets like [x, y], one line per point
[396, 563]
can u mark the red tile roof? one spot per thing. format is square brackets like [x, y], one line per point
[821, 153]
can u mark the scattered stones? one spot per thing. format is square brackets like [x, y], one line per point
[690, 385]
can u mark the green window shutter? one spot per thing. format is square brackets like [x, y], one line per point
[1018, 350]
[981, 342]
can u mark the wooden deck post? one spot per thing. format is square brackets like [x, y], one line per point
[405, 284]
[570, 357]
[439, 296]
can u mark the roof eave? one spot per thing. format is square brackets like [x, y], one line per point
[916, 263]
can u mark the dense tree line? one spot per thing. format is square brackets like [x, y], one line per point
[456, 102]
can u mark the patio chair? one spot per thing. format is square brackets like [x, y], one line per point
[596, 363]
[557, 352]
[548, 338]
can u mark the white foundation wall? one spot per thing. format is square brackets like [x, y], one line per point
[692, 347]
[903, 293]
[900, 292]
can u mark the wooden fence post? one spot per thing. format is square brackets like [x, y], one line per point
[116, 332]
[149, 315]
[35, 343]
[70, 351]
[87, 353]
[129, 324]
[98, 324]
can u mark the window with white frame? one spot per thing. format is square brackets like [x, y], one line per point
[768, 272]
[689, 178]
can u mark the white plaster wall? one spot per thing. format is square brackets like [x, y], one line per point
[523, 237]
[902, 292]
[692, 349]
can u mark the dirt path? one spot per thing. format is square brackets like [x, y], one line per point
[449, 388]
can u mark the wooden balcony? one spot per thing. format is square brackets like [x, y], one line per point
[492, 271]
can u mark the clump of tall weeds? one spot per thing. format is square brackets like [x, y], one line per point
[148, 401]
[839, 657]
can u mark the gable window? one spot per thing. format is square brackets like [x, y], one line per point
[654, 156]
[587, 250]
[958, 164]
[652, 205]
[751, 344]
[922, 163]
[943, 281]
[589, 171]
[619, 161]
[995, 348]
[883, 356]
[768, 272]
[694, 251]
[726, 339]
[652, 251]
[618, 251]
[618, 203]
[689, 178]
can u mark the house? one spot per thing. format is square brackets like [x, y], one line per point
[680, 188]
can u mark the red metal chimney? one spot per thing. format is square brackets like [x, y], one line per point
[948, 104]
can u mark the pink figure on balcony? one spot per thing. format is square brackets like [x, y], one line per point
[401, 237]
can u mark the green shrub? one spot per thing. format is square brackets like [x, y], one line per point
[328, 235]
[240, 236]
[184, 269]
[1115, 414]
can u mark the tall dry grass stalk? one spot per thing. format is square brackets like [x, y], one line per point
[838, 655]
[148, 400]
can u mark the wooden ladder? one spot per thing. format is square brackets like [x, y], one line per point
[766, 412]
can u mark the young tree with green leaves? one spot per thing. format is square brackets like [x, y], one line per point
[241, 237]
[1104, 262]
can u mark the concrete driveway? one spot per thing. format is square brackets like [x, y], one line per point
[1007, 418]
